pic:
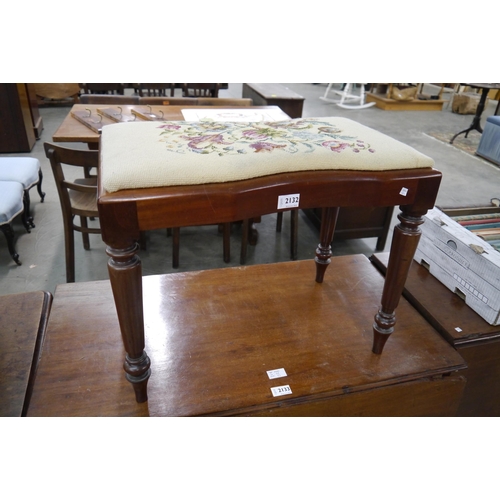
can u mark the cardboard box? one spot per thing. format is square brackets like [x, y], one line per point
[465, 103]
[463, 262]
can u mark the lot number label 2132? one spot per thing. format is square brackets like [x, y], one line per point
[288, 201]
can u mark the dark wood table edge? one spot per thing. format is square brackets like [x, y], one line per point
[37, 354]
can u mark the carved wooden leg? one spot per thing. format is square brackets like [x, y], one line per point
[404, 243]
[39, 186]
[125, 274]
[9, 235]
[324, 250]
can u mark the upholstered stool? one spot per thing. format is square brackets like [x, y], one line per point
[173, 174]
[28, 172]
[489, 145]
[11, 205]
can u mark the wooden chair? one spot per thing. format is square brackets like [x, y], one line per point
[77, 198]
[155, 89]
[200, 89]
[103, 88]
[108, 99]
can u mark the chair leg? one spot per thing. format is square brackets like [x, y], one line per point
[226, 237]
[85, 236]
[39, 186]
[244, 241]
[294, 233]
[9, 236]
[279, 221]
[176, 233]
[69, 250]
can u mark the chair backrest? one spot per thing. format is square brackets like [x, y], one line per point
[81, 158]
[103, 88]
[108, 99]
[200, 89]
[155, 89]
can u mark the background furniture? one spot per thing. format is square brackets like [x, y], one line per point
[382, 94]
[200, 89]
[108, 99]
[78, 198]
[23, 322]
[275, 94]
[489, 145]
[476, 121]
[20, 121]
[155, 89]
[28, 172]
[11, 205]
[474, 339]
[212, 368]
[56, 93]
[103, 88]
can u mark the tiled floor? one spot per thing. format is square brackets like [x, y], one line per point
[467, 180]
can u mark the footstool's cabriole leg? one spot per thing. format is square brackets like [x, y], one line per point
[125, 273]
[324, 251]
[404, 244]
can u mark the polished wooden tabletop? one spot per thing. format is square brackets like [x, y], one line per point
[212, 358]
[71, 130]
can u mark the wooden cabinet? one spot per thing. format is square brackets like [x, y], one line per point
[20, 121]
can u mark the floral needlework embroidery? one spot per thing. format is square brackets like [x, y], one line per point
[294, 136]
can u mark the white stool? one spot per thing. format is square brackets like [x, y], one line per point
[11, 205]
[27, 171]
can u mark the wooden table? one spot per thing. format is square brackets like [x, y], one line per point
[71, 130]
[124, 214]
[23, 320]
[212, 359]
[475, 340]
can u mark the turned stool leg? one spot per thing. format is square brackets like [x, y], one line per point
[324, 250]
[125, 274]
[404, 244]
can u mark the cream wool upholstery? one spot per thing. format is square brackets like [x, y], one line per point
[154, 154]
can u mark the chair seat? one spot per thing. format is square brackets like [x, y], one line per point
[11, 200]
[20, 169]
[192, 153]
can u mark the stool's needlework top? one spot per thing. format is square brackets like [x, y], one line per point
[154, 154]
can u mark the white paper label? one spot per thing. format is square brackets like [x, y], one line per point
[281, 390]
[404, 191]
[458, 329]
[288, 201]
[280, 372]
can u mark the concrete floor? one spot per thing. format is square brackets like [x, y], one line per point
[467, 180]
